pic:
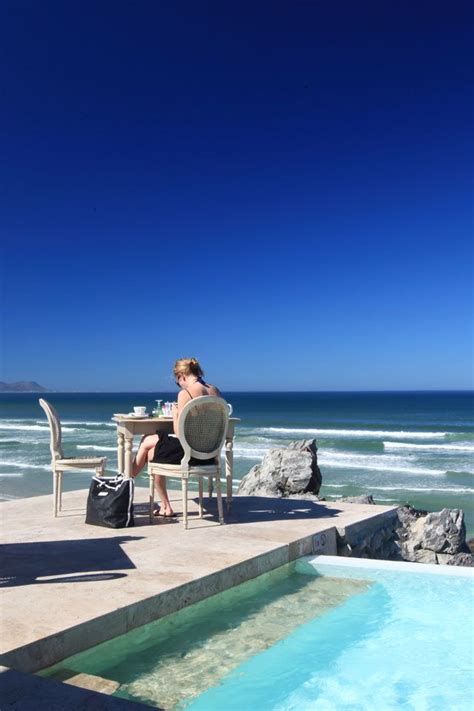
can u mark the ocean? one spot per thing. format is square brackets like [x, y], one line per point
[402, 447]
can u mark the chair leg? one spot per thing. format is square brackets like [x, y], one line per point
[209, 486]
[55, 493]
[200, 484]
[151, 494]
[229, 493]
[60, 491]
[219, 498]
[184, 483]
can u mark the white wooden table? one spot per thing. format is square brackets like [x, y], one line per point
[128, 427]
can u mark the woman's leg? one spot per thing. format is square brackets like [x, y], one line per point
[144, 454]
[160, 483]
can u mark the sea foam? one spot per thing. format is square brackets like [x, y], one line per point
[96, 447]
[370, 434]
[25, 465]
[345, 460]
[429, 447]
[251, 450]
[37, 428]
[421, 489]
[89, 424]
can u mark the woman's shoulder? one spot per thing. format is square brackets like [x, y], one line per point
[183, 396]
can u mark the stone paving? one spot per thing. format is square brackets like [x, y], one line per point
[67, 586]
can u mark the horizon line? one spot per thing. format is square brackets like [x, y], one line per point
[155, 391]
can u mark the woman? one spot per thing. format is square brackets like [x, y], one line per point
[165, 448]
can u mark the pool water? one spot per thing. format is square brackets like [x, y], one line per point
[406, 643]
[169, 662]
[319, 634]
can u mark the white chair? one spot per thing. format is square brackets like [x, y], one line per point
[202, 427]
[60, 463]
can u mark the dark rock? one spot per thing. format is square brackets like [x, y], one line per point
[408, 513]
[309, 445]
[444, 532]
[464, 559]
[368, 499]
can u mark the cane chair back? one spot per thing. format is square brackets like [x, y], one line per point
[202, 427]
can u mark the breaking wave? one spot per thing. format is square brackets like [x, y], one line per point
[26, 465]
[96, 448]
[422, 489]
[37, 428]
[370, 434]
[429, 447]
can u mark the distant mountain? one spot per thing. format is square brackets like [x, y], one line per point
[22, 386]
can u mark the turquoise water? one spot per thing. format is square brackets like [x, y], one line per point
[405, 643]
[415, 448]
[315, 634]
[170, 661]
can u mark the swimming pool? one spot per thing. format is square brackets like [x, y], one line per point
[322, 633]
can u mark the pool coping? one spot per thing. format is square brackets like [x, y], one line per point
[405, 566]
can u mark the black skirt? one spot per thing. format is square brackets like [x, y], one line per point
[168, 450]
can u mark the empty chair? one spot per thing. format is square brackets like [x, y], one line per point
[60, 463]
[202, 429]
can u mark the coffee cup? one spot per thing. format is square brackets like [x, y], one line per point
[139, 410]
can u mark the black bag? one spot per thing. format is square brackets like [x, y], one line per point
[110, 502]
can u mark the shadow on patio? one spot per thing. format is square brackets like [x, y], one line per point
[251, 509]
[73, 561]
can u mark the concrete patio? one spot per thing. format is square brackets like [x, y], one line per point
[67, 586]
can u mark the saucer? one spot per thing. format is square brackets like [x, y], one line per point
[134, 414]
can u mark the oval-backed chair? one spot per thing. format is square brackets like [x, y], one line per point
[202, 427]
[60, 463]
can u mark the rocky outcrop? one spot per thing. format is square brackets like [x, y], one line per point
[285, 472]
[444, 532]
[411, 535]
[407, 534]
[438, 537]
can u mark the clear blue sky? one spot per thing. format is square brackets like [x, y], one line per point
[282, 189]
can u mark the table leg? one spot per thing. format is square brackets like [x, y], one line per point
[229, 469]
[128, 455]
[120, 443]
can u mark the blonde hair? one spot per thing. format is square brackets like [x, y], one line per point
[188, 366]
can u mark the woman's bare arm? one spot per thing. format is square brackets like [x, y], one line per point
[183, 398]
